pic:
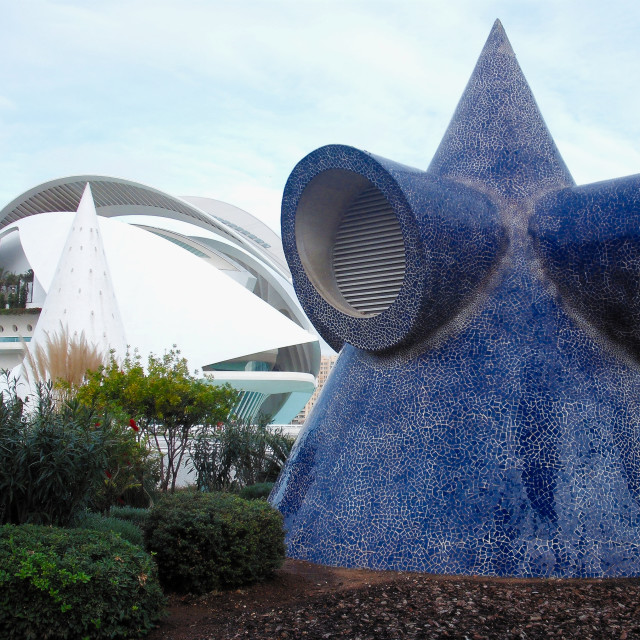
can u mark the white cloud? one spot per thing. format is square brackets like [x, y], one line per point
[223, 99]
[5, 103]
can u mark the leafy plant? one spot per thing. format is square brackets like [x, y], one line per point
[96, 522]
[15, 288]
[132, 470]
[72, 584]
[51, 460]
[130, 514]
[237, 454]
[30, 311]
[165, 402]
[207, 541]
[57, 459]
[256, 491]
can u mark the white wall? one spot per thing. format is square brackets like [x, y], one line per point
[12, 328]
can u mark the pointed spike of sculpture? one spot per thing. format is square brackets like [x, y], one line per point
[497, 132]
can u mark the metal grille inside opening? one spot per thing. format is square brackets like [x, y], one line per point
[368, 256]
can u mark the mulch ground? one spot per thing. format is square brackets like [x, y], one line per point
[313, 602]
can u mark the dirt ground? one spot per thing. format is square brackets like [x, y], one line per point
[310, 601]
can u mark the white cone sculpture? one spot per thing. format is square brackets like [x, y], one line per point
[81, 301]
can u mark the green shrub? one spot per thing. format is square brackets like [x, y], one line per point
[72, 584]
[238, 454]
[207, 541]
[57, 458]
[96, 522]
[163, 399]
[130, 514]
[51, 459]
[132, 470]
[256, 491]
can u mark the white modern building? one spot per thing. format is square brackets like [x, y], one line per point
[131, 265]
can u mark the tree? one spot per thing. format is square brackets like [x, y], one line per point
[164, 404]
[23, 293]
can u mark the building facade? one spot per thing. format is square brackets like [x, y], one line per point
[326, 364]
[194, 272]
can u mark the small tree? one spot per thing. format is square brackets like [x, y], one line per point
[165, 403]
[23, 293]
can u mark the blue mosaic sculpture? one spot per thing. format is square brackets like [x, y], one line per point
[483, 414]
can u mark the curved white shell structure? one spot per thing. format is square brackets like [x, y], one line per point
[135, 266]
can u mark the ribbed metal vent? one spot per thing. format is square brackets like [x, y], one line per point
[368, 256]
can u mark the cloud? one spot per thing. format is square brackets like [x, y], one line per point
[223, 99]
[5, 103]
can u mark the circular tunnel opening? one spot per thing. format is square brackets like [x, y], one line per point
[350, 243]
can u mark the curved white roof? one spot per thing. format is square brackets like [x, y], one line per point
[116, 196]
[246, 224]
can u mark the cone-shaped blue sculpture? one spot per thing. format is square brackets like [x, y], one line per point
[483, 414]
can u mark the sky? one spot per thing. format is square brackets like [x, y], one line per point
[222, 98]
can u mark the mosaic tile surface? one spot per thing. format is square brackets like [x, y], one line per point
[487, 421]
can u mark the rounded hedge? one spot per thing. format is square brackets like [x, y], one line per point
[75, 584]
[207, 541]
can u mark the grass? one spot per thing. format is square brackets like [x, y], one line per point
[64, 357]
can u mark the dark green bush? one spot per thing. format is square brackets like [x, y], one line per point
[132, 470]
[51, 459]
[256, 491]
[96, 522]
[58, 458]
[31, 311]
[207, 541]
[74, 584]
[130, 514]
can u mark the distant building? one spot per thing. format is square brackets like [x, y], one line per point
[326, 364]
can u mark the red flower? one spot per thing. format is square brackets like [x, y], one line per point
[97, 424]
[108, 474]
[133, 425]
